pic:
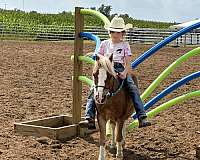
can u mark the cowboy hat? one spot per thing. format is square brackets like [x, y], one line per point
[117, 24]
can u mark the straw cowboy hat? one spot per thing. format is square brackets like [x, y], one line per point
[117, 24]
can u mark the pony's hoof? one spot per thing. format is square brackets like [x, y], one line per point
[119, 157]
[112, 147]
[123, 144]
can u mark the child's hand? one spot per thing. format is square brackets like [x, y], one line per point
[123, 75]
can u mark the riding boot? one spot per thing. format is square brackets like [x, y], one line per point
[143, 122]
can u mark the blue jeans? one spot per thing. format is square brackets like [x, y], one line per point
[133, 91]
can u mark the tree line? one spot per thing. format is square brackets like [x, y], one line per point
[67, 18]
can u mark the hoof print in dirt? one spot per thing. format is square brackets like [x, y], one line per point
[55, 142]
[1, 151]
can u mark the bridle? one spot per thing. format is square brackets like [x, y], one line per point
[112, 93]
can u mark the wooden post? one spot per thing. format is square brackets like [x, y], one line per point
[77, 85]
[198, 152]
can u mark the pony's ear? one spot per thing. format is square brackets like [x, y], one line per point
[111, 57]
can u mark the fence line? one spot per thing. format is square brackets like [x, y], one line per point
[55, 32]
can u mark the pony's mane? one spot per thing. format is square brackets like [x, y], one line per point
[106, 64]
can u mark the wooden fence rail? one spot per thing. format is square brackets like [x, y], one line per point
[54, 32]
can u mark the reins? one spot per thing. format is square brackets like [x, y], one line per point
[111, 94]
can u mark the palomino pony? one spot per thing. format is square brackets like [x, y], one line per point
[112, 103]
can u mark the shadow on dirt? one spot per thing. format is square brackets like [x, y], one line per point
[128, 153]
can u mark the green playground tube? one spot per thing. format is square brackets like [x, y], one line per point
[167, 71]
[84, 59]
[87, 60]
[85, 80]
[165, 106]
[97, 14]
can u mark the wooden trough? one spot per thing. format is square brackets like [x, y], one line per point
[56, 127]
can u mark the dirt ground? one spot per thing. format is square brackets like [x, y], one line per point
[35, 82]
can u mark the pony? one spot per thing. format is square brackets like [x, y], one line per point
[112, 103]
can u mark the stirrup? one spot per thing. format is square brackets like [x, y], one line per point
[91, 123]
[144, 123]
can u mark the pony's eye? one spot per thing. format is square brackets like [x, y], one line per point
[99, 65]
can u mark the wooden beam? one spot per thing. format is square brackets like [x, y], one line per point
[56, 127]
[78, 51]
